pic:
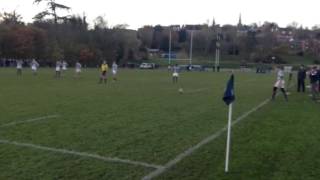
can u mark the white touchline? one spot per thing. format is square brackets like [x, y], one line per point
[81, 154]
[205, 141]
[29, 120]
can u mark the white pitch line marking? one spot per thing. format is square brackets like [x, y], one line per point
[29, 120]
[205, 141]
[82, 154]
[196, 90]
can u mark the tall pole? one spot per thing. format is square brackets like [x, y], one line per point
[170, 47]
[191, 47]
[217, 61]
[228, 139]
[218, 66]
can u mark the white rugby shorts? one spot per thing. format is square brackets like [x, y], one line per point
[280, 84]
[175, 74]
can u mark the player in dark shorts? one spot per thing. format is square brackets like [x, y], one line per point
[104, 70]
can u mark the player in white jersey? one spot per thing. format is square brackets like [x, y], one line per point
[175, 74]
[78, 67]
[19, 67]
[64, 65]
[114, 70]
[58, 69]
[34, 66]
[280, 83]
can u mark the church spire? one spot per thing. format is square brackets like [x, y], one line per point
[213, 22]
[240, 21]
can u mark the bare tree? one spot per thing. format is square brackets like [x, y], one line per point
[121, 26]
[11, 18]
[51, 10]
[100, 23]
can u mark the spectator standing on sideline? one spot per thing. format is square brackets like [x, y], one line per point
[289, 80]
[318, 73]
[301, 79]
[313, 81]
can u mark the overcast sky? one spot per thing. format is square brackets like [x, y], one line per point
[137, 13]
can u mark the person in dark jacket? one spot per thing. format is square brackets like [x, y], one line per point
[318, 79]
[301, 79]
[313, 81]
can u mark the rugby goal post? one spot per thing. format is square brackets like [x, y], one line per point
[287, 69]
[170, 49]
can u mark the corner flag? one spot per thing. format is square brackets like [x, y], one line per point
[228, 98]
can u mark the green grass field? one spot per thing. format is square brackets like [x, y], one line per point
[128, 129]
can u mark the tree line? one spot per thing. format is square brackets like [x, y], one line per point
[51, 37]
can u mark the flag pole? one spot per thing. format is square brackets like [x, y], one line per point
[170, 47]
[228, 139]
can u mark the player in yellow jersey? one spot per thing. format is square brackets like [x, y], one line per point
[104, 70]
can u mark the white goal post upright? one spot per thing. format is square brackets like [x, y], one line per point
[191, 47]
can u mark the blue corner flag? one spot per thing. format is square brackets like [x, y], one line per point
[228, 96]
